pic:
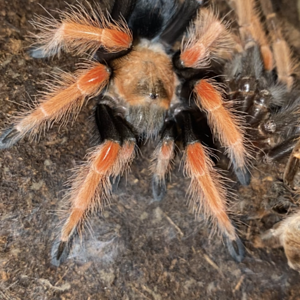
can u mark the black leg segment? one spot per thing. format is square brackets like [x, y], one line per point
[112, 127]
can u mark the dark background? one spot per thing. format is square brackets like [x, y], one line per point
[138, 249]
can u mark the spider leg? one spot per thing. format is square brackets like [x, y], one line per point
[206, 189]
[292, 165]
[123, 9]
[251, 30]
[184, 13]
[281, 50]
[80, 30]
[208, 39]
[64, 97]
[281, 150]
[92, 187]
[225, 125]
[162, 159]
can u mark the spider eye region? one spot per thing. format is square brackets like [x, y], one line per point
[151, 89]
[153, 96]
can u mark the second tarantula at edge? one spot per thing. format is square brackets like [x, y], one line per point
[147, 89]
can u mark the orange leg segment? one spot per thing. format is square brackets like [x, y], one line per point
[223, 123]
[81, 31]
[207, 37]
[198, 52]
[205, 182]
[92, 184]
[80, 38]
[65, 97]
[110, 39]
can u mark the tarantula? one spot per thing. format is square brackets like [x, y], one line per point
[150, 88]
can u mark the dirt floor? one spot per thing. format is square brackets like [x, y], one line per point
[137, 249]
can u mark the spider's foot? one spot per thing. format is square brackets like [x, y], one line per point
[9, 137]
[159, 188]
[60, 251]
[243, 175]
[115, 181]
[38, 52]
[235, 248]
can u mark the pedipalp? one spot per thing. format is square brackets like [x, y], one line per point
[162, 159]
